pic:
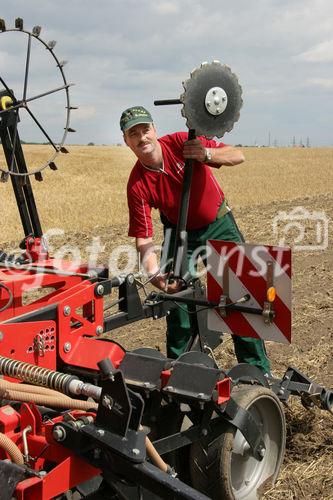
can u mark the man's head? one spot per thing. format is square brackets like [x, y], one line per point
[139, 131]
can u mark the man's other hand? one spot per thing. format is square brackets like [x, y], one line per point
[161, 282]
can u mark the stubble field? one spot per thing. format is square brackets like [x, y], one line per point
[86, 199]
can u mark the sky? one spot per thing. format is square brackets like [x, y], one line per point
[122, 53]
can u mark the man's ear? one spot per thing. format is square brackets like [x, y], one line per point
[125, 141]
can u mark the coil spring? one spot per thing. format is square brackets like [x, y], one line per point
[35, 374]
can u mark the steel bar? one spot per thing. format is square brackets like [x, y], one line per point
[45, 270]
[179, 264]
[27, 63]
[165, 102]
[41, 128]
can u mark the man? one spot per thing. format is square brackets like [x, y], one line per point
[156, 182]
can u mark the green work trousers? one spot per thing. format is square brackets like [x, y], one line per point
[248, 350]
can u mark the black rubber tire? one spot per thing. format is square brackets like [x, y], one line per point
[219, 468]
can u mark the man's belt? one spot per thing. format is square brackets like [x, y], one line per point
[223, 209]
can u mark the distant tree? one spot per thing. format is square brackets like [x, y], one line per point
[91, 144]
[238, 146]
[308, 142]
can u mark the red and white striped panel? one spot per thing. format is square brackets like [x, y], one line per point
[245, 266]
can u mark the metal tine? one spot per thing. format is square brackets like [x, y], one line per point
[61, 64]
[38, 176]
[19, 23]
[69, 129]
[63, 150]
[72, 107]
[52, 44]
[36, 30]
[2, 25]
[4, 176]
[53, 166]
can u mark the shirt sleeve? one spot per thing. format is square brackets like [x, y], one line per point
[210, 143]
[140, 223]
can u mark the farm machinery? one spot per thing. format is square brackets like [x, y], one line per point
[80, 416]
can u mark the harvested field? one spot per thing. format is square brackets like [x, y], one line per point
[87, 199]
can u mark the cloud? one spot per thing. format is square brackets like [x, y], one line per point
[166, 7]
[127, 52]
[85, 112]
[325, 83]
[320, 53]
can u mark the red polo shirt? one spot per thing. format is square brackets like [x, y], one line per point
[161, 189]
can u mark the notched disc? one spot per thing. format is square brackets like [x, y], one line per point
[212, 100]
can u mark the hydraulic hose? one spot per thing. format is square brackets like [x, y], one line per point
[10, 447]
[58, 401]
[32, 389]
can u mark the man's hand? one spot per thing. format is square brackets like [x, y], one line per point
[226, 155]
[194, 150]
[161, 282]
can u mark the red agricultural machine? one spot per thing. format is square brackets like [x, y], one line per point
[80, 417]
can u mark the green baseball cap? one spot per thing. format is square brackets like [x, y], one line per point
[133, 116]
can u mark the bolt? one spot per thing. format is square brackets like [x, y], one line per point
[67, 346]
[208, 104]
[107, 401]
[168, 313]
[201, 395]
[261, 451]
[99, 330]
[216, 100]
[214, 92]
[223, 99]
[218, 110]
[100, 290]
[204, 432]
[101, 432]
[281, 391]
[130, 279]
[67, 311]
[155, 316]
[136, 451]
[97, 453]
[170, 388]
[59, 433]
[1, 336]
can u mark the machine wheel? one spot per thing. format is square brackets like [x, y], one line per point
[225, 468]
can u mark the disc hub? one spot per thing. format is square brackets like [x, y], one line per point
[216, 101]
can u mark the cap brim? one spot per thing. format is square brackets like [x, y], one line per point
[137, 121]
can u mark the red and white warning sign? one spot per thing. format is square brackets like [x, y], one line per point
[236, 271]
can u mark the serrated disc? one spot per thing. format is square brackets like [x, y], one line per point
[201, 84]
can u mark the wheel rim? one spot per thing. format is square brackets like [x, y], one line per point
[247, 474]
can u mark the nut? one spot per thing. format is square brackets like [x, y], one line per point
[100, 290]
[67, 346]
[67, 311]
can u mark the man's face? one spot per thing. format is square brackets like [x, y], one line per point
[142, 139]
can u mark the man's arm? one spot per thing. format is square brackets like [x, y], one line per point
[227, 155]
[148, 258]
